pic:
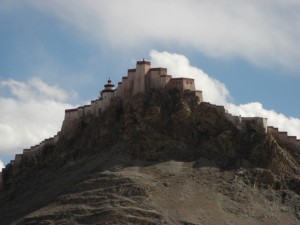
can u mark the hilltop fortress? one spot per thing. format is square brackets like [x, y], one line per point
[142, 79]
[139, 80]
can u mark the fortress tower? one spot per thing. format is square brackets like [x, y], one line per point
[142, 68]
[107, 94]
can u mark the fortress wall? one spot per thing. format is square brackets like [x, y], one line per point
[31, 153]
[18, 158]
[158, 71]
[175, 83]
[130, 81]
[125, 88]
[107, 96]
[199, 95]
[188, 84]
[152, 80]
[164, 80]
[49, 141]
[71, 114]
[87, 109]
[56, 137]
[260, 123]
[118, 91]
[106, 99]
[283, 138]
[12, 162]
[157, 77]
[237, 120]
[26, 151]
[293, 140]
[80, 112]
[95, 106]
[220, 108]
[142, 68]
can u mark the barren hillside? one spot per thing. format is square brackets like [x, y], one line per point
[159, 158]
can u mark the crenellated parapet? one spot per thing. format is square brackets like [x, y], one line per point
[34, 150]
[243, 123]
[284, 139]
[28, 154]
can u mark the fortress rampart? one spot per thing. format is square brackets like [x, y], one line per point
[140, 80]
[284, 139]
[260, 124]
[28, 155]
[242, 123]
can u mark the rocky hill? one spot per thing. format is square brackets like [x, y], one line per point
[159, 158]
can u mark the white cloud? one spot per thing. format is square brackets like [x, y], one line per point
[30, 113]
[1, 165]
[216, 92]
[284, 123]
[179, 66]
[262, 32]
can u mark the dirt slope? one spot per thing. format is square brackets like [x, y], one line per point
[158, 159]
[169, 193]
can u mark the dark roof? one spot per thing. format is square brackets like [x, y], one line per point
[71, 110]
[143, 62]
[158, 68]
[182, 78]
[107, 91]
[109, 85]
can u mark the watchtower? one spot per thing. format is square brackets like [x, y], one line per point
[142, 68]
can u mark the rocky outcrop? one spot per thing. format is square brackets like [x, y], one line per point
[161, 158]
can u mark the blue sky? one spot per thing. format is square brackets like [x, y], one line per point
[59, 54]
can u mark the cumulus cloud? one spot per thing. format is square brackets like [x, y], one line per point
[31, 111]
[1, 165]
[261, 32]
[216, 92]
[179, 66]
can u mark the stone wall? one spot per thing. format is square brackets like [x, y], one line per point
[181, 84]
[199, 95]
[142, 68]
[244, 123]
[284, 139]
[31, 153]
[28, 154]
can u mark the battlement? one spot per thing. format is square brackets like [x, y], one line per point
[242, 123]
[284, 139]
[29, 155]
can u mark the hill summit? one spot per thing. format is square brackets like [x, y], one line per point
[152, 152]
